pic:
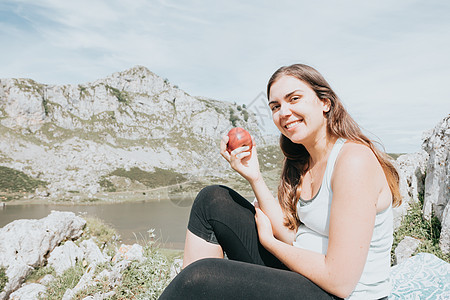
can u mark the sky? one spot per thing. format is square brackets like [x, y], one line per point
[388, 61]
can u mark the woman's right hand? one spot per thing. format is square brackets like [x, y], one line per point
[242, 160]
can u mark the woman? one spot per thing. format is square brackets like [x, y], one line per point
[328, 236]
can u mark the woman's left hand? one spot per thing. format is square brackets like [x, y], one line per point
[264, 227]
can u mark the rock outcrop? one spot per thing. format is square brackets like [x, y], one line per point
[405, 249]
[59, 242]
[25, 244]
[411, 169]
[437, 181]
[428, 173]
[64, 257]
[28, 291]
[131, 119]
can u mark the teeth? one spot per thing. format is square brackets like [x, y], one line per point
[292, 124]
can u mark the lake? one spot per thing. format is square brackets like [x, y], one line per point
[168, 218]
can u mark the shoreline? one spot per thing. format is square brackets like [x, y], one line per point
[108, 198]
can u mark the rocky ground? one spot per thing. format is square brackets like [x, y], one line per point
[63, 256]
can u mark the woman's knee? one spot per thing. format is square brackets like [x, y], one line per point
[211, 195]
[198, 274]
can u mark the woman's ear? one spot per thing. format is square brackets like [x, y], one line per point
[326, 105]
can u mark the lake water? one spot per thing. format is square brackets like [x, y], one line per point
[168, 218]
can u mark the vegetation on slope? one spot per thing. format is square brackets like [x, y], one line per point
[428, 232]
[3, 278]
[159, 177]
[14, 182]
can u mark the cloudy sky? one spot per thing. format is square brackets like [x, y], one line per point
[389, 61]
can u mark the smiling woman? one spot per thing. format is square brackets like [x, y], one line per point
[329, 234]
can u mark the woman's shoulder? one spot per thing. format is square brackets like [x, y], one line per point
[357, 166]
[356, 156]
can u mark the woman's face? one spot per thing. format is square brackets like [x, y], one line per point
[296, 110]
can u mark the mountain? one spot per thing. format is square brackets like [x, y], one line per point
[90, 138]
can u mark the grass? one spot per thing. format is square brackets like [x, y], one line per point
[122, 96]
[38, 273]
[104, 235]
[146, 279]
[67, 280]
[428, 232]
[3, 278]
[13, 183]
[30, 86]
[157, 178]
[107, 185]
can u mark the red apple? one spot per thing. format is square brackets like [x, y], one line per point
[239, 137]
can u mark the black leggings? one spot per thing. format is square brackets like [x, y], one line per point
[222, 216]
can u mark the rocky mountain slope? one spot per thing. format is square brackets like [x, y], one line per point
[74, 137]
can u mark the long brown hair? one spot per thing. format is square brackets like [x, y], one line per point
[339, 124]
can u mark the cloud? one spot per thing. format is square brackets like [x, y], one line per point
[387, 60]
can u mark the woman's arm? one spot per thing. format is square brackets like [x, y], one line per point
[271, 207]
[247, 165]
[357, 182]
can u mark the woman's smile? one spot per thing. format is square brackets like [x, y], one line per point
[293, 124]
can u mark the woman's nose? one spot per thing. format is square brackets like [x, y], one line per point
[284, 110]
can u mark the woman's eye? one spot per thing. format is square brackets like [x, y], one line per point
[295, 98]
[274, 107]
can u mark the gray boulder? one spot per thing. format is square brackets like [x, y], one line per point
[411, 169]
[24, 244]
[444, 241]
[92, 252]
[405, 249]
[129, 252]
[85, 281]
[47, 279]
[65, 257]
[32, 291]
[437, 181]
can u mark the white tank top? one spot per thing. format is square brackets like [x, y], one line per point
[313, 235]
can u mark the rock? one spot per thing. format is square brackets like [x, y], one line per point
[24, 244]
[444, 240]
[85, 281]
[411, 169]
[16, 272]
[406, 248]
[65, 257]
[101, 296]
[68, 295]
[175, 269]
[437, 182]
[115, 275]
[47, 279]
[41, 192]
[92, 253]
[32, 291]
[129, 252]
